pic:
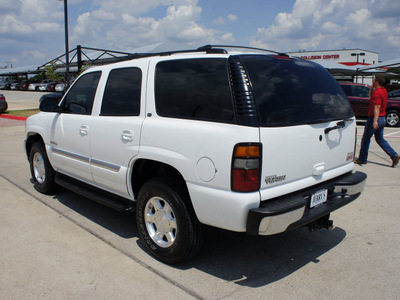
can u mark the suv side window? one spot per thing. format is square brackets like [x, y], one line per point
[194, 89]
[80, 97]
[122, 93]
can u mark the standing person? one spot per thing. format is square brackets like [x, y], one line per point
[376, 122]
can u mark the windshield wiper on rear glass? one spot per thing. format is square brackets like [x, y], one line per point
[340, 124]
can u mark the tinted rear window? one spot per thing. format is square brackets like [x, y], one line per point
[194, 89]
[293, 92]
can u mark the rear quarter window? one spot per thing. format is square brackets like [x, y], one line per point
[292, 92]
[194, 89]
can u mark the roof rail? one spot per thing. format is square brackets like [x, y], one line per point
[167, 53]
[215, 47]
[207, 48]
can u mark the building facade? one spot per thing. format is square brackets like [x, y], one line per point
[348, 57]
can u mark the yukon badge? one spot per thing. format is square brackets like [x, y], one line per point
[274, 179]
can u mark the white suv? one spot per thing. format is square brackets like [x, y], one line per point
[244, 140]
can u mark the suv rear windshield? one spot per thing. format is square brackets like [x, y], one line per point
[293, 92]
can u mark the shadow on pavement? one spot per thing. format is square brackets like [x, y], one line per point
[252, 261]
[256, 261]
[122, 224]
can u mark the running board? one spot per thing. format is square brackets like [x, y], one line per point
[108, 199]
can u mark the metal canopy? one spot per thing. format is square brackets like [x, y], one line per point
[389, 66]
[20, 71]
[81, 56]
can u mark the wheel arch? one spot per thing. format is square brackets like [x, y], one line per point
[30, 140]
[146, 169]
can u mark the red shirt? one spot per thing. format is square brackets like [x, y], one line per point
[378, 97]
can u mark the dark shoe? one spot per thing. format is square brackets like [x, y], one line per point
[395, 161]
[359, 162]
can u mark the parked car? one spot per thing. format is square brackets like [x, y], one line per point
[60, 88]
[3, 103]
[51, 87]
[34, 86]
[43, 85]
[358, 95]
[3, 85]
[394, 94]
[7, 85]
[15, 86]
[25, 84]
[253, 142]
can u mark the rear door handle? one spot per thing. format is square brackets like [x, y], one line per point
[127, 135]
[84, 130]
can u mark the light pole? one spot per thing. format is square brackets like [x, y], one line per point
[66, 42]
[358, 56]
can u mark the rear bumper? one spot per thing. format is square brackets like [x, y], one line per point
[293, 211]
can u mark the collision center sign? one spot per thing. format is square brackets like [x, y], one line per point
[312, 57]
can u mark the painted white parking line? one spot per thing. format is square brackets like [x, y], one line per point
[389, 136]
[396, 132]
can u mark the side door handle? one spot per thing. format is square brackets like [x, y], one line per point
[127, 135]
[84, 130]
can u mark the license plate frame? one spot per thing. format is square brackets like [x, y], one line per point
[318, 198]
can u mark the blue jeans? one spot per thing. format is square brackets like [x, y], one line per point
[369, 131]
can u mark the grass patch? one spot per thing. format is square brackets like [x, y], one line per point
[22, 113]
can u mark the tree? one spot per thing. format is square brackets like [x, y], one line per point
[51, 72]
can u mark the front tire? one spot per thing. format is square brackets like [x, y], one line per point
[166, 222]
[41, 170]
[393, 118]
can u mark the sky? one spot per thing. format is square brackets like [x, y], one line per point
[32, 31]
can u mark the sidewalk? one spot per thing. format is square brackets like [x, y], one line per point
[50, 257]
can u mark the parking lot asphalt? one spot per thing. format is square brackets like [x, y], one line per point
[18, 100]
[64, 246]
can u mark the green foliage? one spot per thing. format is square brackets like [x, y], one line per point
[51, 72]
[84, 68]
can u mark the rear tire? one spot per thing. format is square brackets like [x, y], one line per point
[393, 118]
[166, 222]
[41, 170]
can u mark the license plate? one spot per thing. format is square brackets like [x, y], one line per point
[318, 198]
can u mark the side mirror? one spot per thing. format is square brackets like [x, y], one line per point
[48, 105]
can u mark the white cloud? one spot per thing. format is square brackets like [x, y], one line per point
[37, 26]
[231, 18]
[219, 21]
[334, 24]
[30, 17]
[120, 25]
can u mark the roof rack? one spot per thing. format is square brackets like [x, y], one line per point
[215, 48]
[167, 53]
[207, 48]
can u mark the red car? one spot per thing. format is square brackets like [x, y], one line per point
[358, 95]
[51, 87]
[25, 85]
[3, 103]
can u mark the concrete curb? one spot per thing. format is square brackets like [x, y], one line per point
[13, 117]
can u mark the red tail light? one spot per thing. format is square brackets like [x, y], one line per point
[246, 168]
